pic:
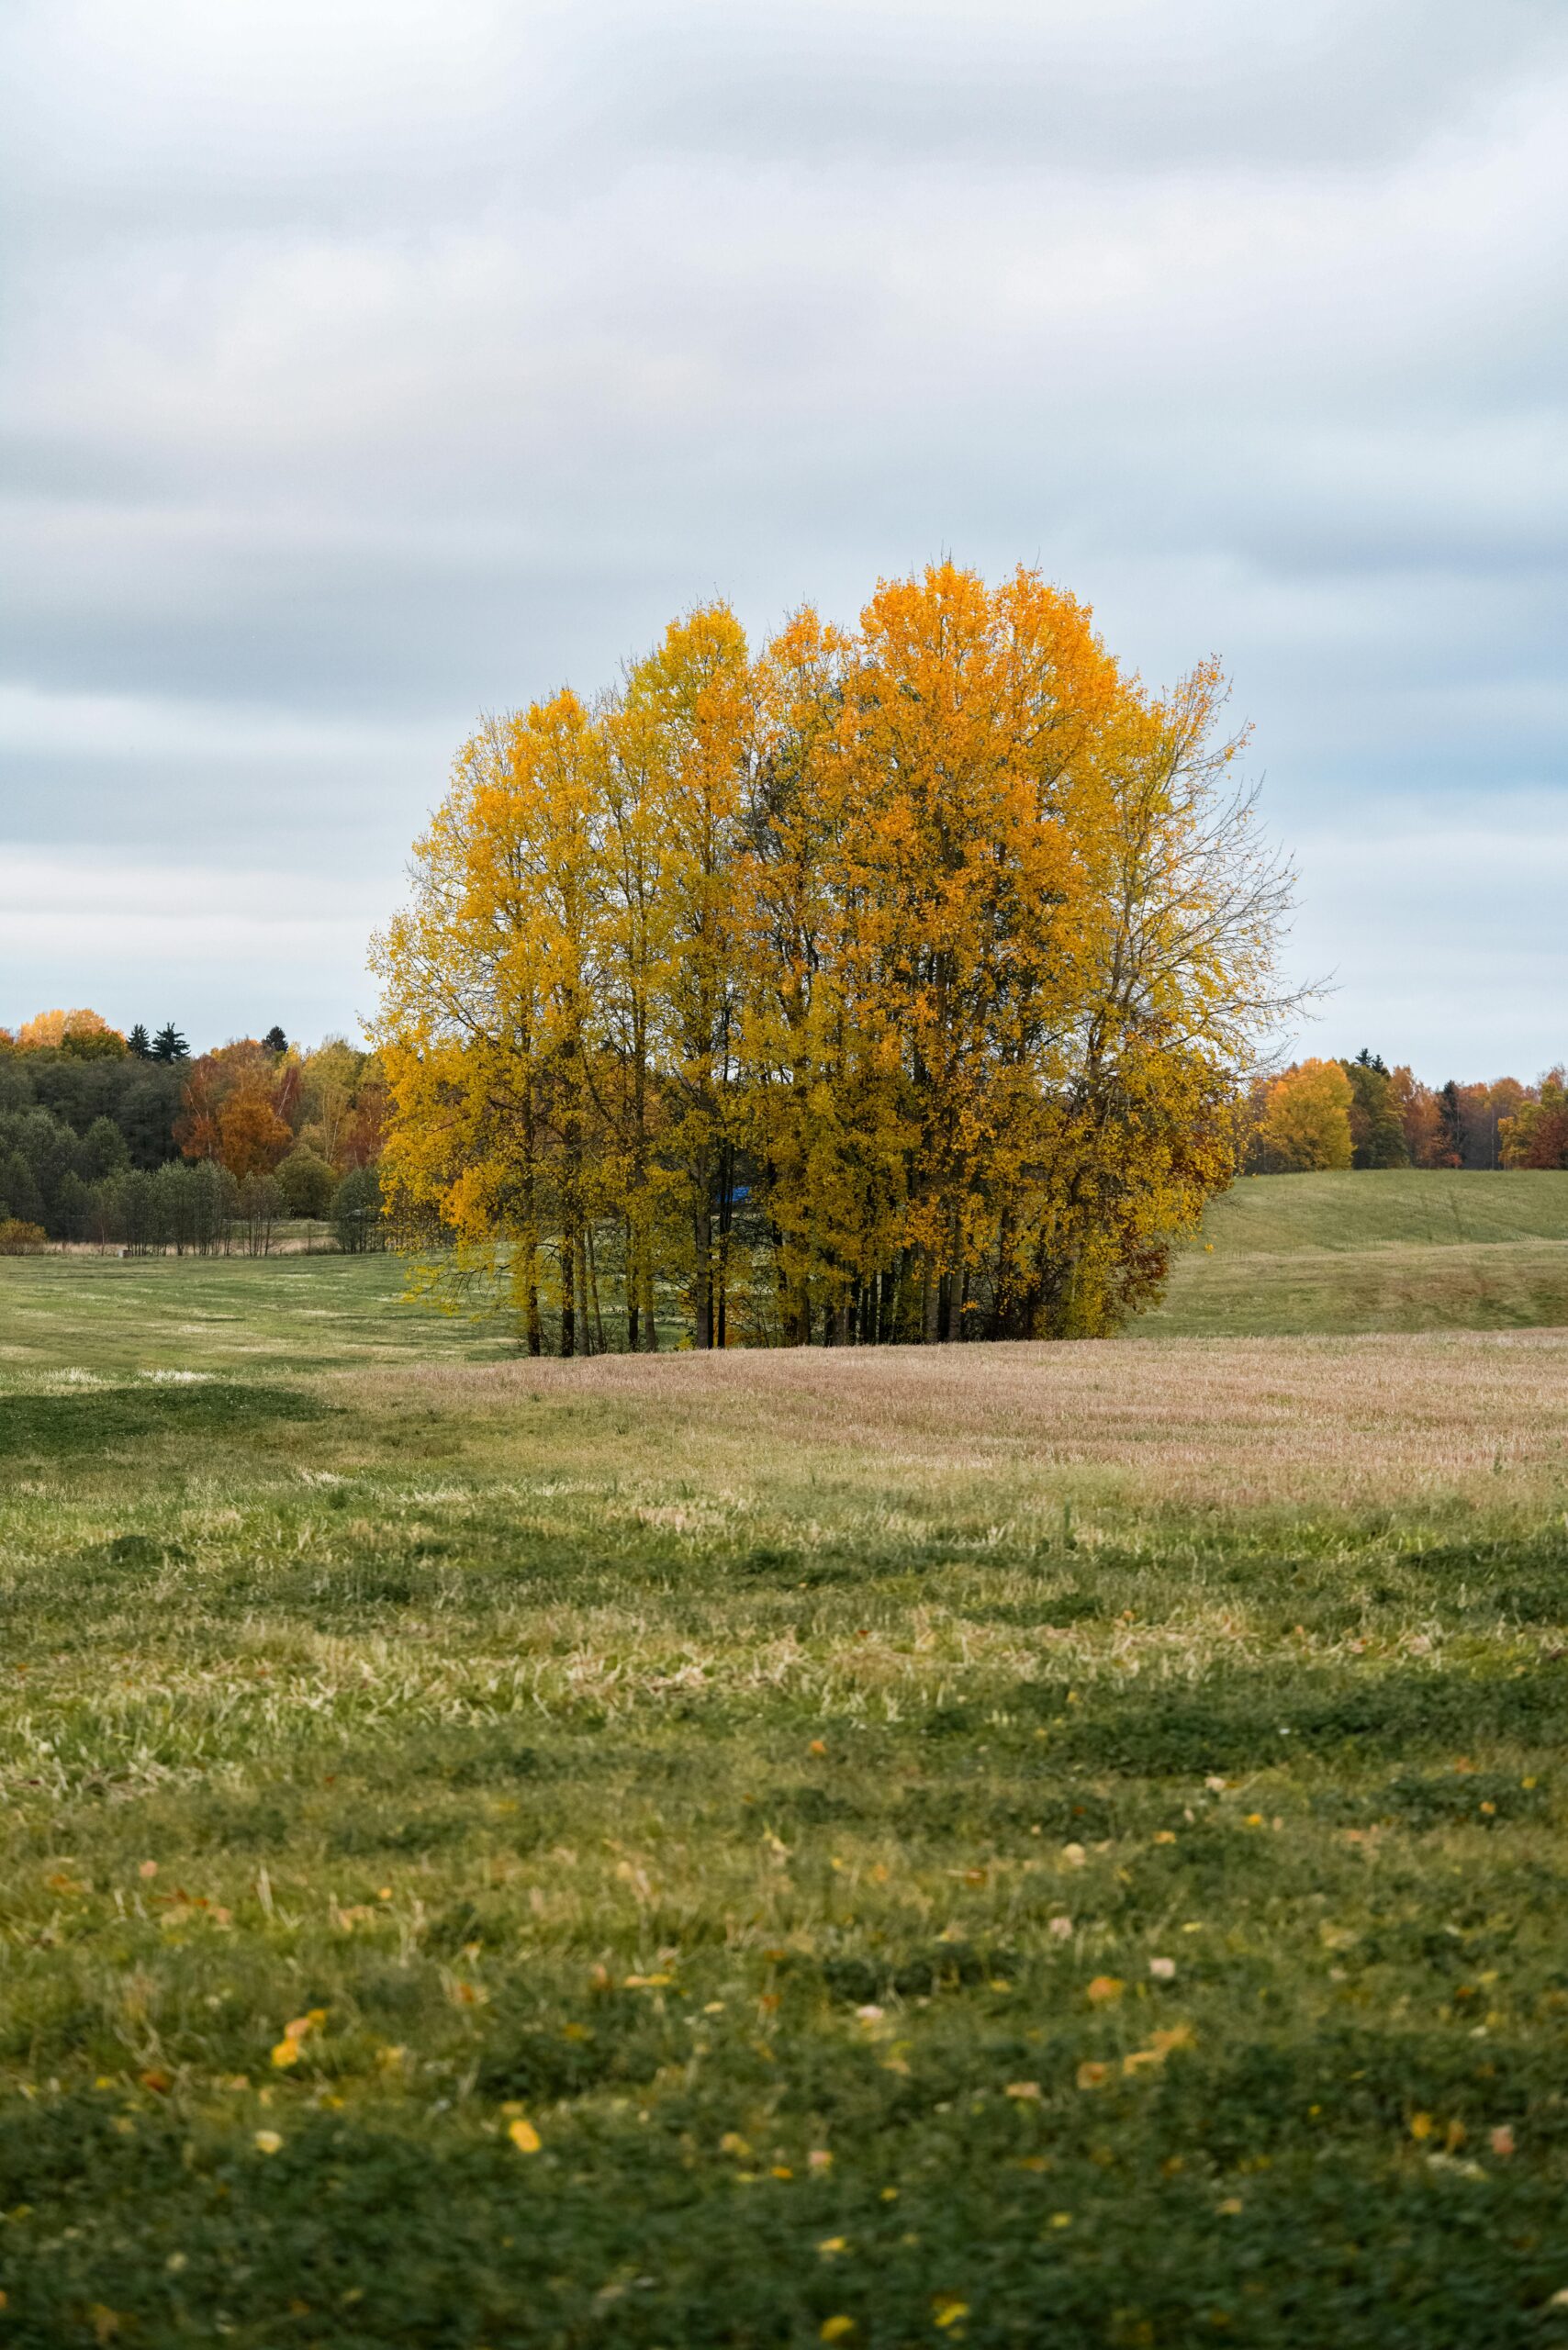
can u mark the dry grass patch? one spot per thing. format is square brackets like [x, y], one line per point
[1225, 1423]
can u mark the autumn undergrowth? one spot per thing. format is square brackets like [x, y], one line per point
[500, 1864]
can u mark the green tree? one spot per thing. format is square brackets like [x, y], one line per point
[307, 1183]
[1377, 1126]
[19, 1194]
[168, 1045]
[73, 1208]
[357, 1211]
[103, 1150]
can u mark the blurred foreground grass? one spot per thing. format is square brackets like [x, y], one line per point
[1005, 1846]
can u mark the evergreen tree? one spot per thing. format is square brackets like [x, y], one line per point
[1377, 1127]
[138, 1043]
[1450, 1128]
[276, 1042]
[168, 1045]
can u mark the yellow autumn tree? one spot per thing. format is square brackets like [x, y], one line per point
[893, 983]
[1306, 1124]
[50, 1030]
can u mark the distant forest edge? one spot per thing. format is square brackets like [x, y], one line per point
[1321, 1114]
[128, 1141]
[125, 1140]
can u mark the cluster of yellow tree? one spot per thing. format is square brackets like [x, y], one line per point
[885, 983]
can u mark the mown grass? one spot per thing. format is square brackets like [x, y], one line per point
[110, 1316]
[1403, 1249]
[1014, 1846]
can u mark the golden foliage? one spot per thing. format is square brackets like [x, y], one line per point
[1306, 1119]
[884, 984]
[50, 1029]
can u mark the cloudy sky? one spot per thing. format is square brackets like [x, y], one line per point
[366, 366]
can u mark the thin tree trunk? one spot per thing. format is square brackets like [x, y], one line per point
[702, 1251]
[568, 1294]
[650, 1320]
[632, 1270]
[600, 1347]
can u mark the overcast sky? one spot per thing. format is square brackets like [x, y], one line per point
[366, 366]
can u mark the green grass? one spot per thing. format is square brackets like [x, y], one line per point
[1405, 1249]
[110, 1316]
[1030, 1847]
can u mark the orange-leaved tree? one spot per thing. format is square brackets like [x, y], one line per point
[886, 983]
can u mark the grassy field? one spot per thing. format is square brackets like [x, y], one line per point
[119, 1316]
[1428, 1249]
[1004, 1846]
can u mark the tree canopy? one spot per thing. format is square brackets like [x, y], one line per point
[892, 982]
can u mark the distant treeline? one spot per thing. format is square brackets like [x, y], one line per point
[128, 1140]
[1323, 1113]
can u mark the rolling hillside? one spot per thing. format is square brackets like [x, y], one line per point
[1407, 1249]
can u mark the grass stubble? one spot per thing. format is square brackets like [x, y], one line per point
[1055, 1846]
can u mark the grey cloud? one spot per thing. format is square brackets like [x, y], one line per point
[372, 365]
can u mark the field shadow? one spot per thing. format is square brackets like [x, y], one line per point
[95, 1420]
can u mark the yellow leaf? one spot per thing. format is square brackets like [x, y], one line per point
[1421, 2125]
[948, 2310]
[836, 2329]
[524, 2136]
[1028, 2090]
[831, 2244]
[1092, 2076]
[268, 2142]
[285, 2052]
[1105, 1988]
